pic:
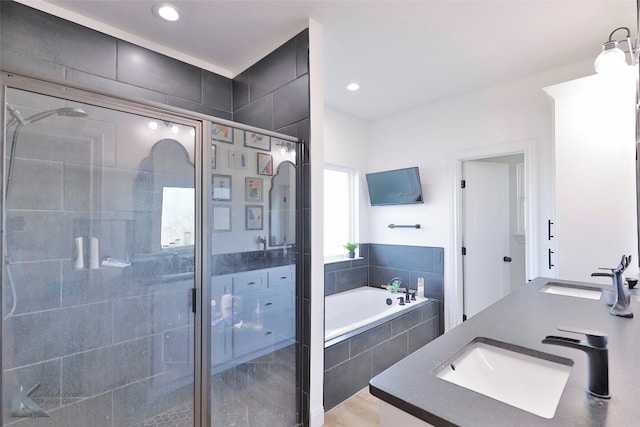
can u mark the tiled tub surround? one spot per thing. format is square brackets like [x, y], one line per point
[351, 362]
[379, 263]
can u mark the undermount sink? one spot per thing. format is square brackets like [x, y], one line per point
[527, 379]
[571, 290]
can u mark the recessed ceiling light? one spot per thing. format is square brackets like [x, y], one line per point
[353, 87]
[167, 12]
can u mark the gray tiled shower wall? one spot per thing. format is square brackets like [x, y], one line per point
[380, 263]
[272, 94]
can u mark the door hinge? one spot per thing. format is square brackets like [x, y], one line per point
[463, 183]
[464, 250]
[194, 299]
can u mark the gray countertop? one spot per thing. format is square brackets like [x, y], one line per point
[524, 318]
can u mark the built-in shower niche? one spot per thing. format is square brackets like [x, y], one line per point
[95, 242]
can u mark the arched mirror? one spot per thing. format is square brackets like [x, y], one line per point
[282, 205]
[165, 197]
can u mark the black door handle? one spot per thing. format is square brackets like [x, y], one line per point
[507, 259]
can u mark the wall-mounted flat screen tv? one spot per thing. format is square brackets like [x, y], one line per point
[394, 187]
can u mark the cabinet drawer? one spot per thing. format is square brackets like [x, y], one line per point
[247, 340]
[282, 275]
[276, 302]
[283, 327]
[249, 282]
[257, 306]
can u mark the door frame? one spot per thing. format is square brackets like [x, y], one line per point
[454, 289]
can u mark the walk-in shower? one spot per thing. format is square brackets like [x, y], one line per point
[135, 292]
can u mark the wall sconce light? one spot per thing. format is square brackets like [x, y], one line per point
[287, 147]
[612, 59]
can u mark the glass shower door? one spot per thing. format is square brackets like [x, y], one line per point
[99, 266]
[253, 294]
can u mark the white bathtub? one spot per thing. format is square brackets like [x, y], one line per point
[360, 309]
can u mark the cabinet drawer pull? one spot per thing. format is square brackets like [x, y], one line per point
[268, 333]
[283, 277]
[251, 283]
[269, 303]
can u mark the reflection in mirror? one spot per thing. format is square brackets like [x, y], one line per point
[165, 198]
[177, 221]
[282, 205]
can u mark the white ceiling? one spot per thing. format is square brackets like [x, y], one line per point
[403, 53]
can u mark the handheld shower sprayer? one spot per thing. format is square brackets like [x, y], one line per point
[21, 122]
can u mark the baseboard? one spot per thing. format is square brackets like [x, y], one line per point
[317, 417]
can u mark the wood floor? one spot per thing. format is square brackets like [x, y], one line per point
[360, 410]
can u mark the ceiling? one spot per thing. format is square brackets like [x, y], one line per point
[402, 53]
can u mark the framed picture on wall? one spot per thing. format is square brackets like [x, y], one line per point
[237, 159]
[221, 218]
[259, 141]
[221, 187]
[253, 189]
[213, 156]
[253, 217]
[265, 164]
[222, 133]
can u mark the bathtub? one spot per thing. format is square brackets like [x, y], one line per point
[352, 312]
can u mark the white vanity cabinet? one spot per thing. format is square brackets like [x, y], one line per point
[595, 182]
[262, 313]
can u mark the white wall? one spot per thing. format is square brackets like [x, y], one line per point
[316, 350]
[430, 135]
[346, 144]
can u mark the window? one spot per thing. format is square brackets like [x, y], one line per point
[340, 210]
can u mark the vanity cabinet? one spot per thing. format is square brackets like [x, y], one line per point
[595, 177]
[254, 313]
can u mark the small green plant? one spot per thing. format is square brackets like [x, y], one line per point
[351, 247]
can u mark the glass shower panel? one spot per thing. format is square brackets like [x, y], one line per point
[252, 293]
[99, 251]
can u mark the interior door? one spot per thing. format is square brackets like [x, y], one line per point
[486, 234]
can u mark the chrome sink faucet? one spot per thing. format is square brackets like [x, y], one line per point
[621, 306]
[596, 348]
[262, 241]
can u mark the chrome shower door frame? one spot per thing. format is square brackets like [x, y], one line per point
[66, 91]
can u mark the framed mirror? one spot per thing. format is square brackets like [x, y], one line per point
[282, 205]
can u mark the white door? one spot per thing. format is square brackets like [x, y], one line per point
[486, 234]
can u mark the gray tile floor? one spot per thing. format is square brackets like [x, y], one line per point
[258, 393]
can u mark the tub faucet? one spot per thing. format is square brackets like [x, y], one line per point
[596, 348]
[621, 306]
[396, 284]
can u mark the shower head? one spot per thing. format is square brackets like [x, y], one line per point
[64, 111]
[17, 118]
[16, 115]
